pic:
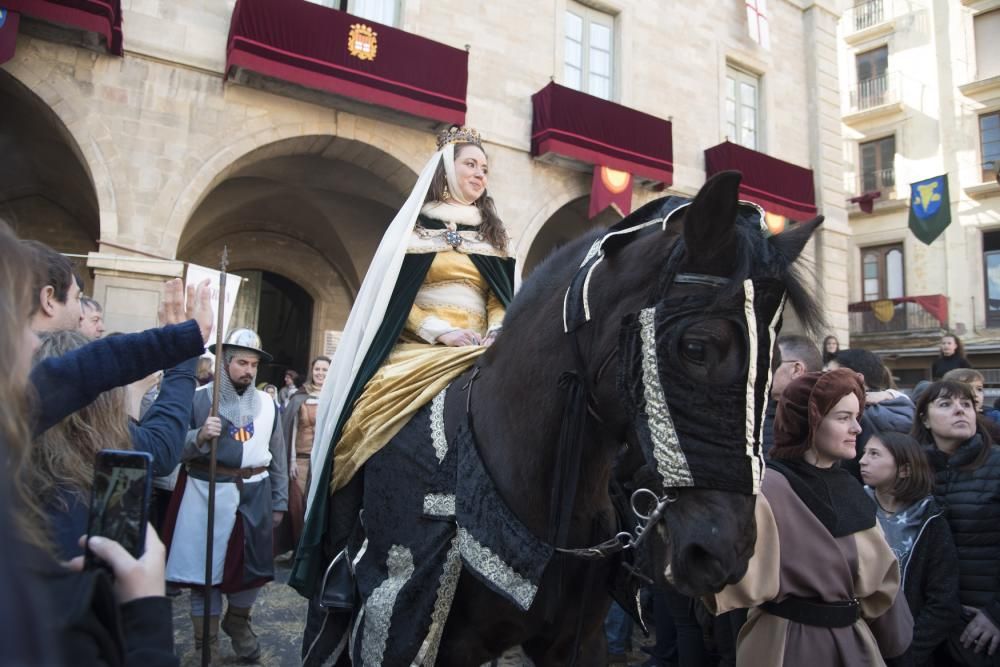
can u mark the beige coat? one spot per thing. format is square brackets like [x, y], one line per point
[795, 555]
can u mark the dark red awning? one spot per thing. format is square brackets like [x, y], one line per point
[103, 17]
[307, 44]
[586, 128]
[777, 186]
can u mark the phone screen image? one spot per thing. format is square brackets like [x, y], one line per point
[120, 498]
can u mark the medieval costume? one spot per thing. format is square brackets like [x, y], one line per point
[822, 581]
[251, 484]
[432, 273]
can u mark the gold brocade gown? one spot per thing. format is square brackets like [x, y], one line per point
[454, 295]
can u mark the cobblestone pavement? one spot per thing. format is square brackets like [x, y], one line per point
[279, 617]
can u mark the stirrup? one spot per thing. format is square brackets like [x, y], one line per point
[339, 589]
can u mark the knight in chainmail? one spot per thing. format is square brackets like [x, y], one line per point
[250, 499]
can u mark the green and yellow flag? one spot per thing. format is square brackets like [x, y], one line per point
[930, 208]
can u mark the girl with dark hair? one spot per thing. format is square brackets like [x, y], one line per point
[899, 479]
[822, 581]
[967, 484]
[952, 356]
[831, 346]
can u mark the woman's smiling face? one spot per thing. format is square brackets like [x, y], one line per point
[471, 172]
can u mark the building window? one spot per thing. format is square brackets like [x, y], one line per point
[987, 27]
[872, 68]
[876, 158]
[588, 51]
[742, 108]
[757, 22]
[989, 140]
[882, 272]
[385, 12]
[991, 269]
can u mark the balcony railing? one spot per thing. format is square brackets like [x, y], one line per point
[867, 14]
[903, 314]
[875, 92]
[883, 180]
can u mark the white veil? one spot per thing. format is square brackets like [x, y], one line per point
[365, 320]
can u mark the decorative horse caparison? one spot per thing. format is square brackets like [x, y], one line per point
[707, 259]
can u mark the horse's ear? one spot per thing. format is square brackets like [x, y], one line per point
[710, 220]
[791, 243]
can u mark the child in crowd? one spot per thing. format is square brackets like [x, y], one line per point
[899, 479]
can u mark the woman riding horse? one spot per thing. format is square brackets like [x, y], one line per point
[482, 534]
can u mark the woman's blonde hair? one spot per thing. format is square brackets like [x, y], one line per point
[63, 457]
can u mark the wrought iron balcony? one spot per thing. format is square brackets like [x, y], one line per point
[900, 315]
[878, 91]
[883, 180]
[867, 14]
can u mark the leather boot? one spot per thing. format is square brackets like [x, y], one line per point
[199, 636]
[236, 624]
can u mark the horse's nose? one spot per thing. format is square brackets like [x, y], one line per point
[698, 572]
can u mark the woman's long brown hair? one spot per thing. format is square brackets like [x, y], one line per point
[491, 227]
[16, 271]
[63, 457]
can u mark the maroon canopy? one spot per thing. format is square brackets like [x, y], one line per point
[307, 44]
[777, 186]
[587, 128]
[935, 304]
[101, 16]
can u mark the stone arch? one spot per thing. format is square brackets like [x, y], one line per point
[396, 163]
[88, 136]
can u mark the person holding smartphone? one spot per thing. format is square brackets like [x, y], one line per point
[251, 496]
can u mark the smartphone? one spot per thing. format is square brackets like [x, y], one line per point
[119, 500]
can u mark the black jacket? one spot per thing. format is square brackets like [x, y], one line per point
[971, 499]
[942, 365]
[92, 629]
[930, 583]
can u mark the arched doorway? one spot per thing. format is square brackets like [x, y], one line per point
[568, 223]
[281, 312]
[302, 219]
[46, 192]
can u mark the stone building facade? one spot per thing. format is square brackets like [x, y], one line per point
[922, 98]
[143, 161]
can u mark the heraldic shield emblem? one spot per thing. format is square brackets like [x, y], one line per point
[362, 42]
[930, 208]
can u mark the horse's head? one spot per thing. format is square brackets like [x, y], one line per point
[694, 375]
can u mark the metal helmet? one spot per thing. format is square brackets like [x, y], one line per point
[244, 339]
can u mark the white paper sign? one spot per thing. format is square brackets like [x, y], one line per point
[196, 274]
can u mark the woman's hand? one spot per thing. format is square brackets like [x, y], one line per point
[134, 579]
[981, 634]
[460, 338]
[491, 337]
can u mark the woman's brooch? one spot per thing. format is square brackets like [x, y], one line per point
[453, 238]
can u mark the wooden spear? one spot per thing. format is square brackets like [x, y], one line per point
[206, 650]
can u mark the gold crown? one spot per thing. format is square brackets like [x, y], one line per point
[458, 135]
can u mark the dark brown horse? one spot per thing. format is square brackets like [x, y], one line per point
[709, 259]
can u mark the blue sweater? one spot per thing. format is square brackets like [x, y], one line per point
[65, 384]
[165, 425]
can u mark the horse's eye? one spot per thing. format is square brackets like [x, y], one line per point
[693, 351]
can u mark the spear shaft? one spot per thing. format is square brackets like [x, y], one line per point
[206, 651]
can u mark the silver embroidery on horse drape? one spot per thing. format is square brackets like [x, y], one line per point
[481, 559]
[670, 460]
[437, 426]
[380, 604]
[439, 504]
[427, 655]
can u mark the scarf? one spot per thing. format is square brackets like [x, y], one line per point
[831, 494]
[240, 410]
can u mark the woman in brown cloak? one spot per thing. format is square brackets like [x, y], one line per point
[822, 583]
